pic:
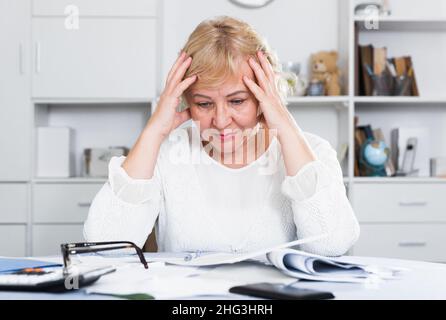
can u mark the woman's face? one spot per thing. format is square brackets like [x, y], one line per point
[225, 114]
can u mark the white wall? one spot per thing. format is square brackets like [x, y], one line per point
[317, 20]
[411, 8]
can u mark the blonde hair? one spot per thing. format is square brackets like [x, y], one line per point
[218, 44]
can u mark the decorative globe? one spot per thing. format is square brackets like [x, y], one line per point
[376, 153]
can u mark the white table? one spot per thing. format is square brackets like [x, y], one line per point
[424, 281]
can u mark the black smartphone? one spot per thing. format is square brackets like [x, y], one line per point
[280, 291]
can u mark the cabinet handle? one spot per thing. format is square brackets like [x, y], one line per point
[84, 204]
[412, 244]
[21, 60]
[37, 57]
[413, 203]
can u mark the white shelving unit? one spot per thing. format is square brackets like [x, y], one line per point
[405, 217]
[399, 217]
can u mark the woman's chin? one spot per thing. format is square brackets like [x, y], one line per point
[226, 147]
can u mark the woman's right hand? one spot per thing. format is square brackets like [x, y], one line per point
[165, 118]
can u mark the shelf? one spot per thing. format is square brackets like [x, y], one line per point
[70, 180]
[399, 100]
[91, 100]
[416, 24]
[338, 100]
[398, 180]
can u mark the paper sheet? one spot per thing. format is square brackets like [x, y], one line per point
[171, 282]
[218, 258]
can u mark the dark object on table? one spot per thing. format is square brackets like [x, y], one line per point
[280, 291]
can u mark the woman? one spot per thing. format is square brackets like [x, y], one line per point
[233, 171]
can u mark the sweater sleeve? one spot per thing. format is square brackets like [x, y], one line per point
[320, 204]
[124, 208]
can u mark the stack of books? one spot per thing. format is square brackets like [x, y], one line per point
[378, 75]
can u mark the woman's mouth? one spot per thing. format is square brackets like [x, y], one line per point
[226, 137]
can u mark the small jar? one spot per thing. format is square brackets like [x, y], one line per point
[316, 88]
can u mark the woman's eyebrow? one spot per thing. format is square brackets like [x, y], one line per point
[235, 93]
[229, 95]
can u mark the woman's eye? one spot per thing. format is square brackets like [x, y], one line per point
[237, 101]
[204, 104]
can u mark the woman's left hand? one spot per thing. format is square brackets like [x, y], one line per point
[266, 92]
[295, 149]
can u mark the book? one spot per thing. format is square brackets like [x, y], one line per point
[400, 66]
[368, 132]
[296, 263]
[411, 74]
[366, 59]
[395, 151]
[358, 76]
[359, 141]
[379, 60]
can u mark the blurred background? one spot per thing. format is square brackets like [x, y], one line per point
[80, 78]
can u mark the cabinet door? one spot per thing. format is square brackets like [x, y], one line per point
[400, 202]
[63, 203]
[15, 102]
[13, 202]
[104, 58]
[405, 241]
[48, 238]
[12, 240]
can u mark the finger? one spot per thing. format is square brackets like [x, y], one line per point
[178, 75]
[186, 83]
[267, 67]
[179, 60]
[255, 89]
[260, 75]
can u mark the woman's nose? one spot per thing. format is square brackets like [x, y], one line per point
[222, 117]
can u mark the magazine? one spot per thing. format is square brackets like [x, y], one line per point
[297, 263]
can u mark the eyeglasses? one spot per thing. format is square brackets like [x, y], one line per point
[89, 247]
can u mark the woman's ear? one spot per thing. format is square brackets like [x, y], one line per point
[259, 111]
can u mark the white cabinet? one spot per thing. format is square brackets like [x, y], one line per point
[63, 203]
[405, 241]
[401, 220]
[48, 238]
[15, 104]
[13, 202]
[13, 240]
[400, 202]
[104, 58]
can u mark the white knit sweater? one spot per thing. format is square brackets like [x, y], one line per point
[197, 203]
